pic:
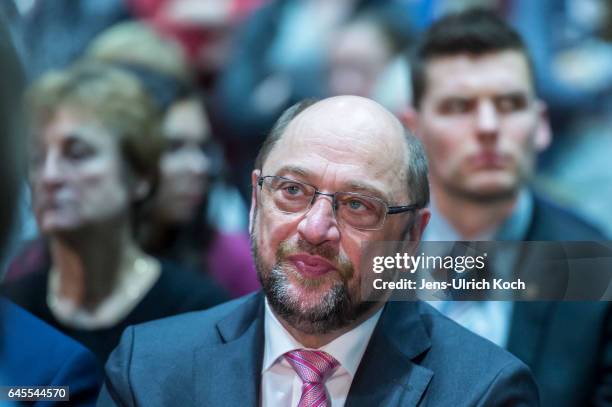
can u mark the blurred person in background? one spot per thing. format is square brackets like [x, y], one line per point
[179, 226]
[366, 58]
[196, 217]
[31, 352]
[135, 43]
[482, 125]
[53, 34]
[279, 58]
[572, 52]
[208, 31]
[204, 28]
[94, 163]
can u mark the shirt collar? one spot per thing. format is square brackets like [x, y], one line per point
[347, 349]
[513, 228]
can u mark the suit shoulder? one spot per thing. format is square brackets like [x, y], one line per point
[554, 222]
[28, 341]
[194, 327]
[465, 368]
[163, 350]
[484, 373]
[457, 347]
[24, 326]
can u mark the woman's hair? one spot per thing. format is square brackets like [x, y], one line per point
[115, 99]
[157, 61]
[136, 43]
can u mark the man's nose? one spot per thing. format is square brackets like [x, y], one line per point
[487, 120]
[319, 225]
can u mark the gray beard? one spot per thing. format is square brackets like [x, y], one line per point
[336, 310]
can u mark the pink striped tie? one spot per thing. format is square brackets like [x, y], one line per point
[313, 367]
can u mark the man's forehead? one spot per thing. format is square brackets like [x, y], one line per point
[349, 140]
[504, 70]
[349, 121]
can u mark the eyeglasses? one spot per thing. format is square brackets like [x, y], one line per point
[356, 210]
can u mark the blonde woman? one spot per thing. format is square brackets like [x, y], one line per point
[95, 150]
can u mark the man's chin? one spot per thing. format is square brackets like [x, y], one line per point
[495, 194]
[312, 310]
[309, 297]
[314, 320]
[488, 190]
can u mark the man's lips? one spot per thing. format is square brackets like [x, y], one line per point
[488, 160]
[311, 266]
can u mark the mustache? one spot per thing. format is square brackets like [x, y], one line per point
[328, 252]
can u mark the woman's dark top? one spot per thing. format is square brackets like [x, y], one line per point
[176, 291]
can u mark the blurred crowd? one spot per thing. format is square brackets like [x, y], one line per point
[145, 118]
[247, 60]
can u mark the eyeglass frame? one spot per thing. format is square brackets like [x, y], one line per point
[390, 210]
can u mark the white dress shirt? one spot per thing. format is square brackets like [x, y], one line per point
[280, 384]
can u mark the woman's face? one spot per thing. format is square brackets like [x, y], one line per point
[77, 175]
[184, 165]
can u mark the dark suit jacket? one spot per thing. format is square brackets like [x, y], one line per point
[567, 345]
[34, 354]
[416, 356]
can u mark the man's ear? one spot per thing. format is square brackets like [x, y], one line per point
[420, 223]
[543, 134]
[409, 118]
[254, 178]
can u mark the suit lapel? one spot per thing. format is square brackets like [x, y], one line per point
[388, 373]
[229, 373]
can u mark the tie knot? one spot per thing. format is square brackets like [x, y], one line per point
[312, 366]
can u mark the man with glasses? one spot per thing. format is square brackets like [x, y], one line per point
[331, 175]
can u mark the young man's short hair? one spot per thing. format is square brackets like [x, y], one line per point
[476, 32]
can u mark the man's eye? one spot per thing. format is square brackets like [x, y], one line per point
[358, 205]
[456, 106]
[512, 103]
[291, 190]
[355, 204]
